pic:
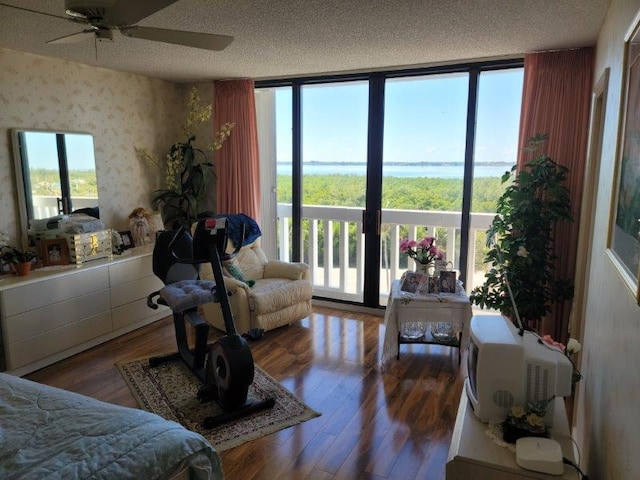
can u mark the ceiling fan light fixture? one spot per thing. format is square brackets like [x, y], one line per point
[86, 9]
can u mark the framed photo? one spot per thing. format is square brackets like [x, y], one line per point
[447, 281]
[55, 251]
[414, 283]
[624, 230]
[127, 239]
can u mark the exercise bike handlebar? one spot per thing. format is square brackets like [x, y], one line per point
[196, 261]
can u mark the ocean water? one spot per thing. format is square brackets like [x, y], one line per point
[397, 170]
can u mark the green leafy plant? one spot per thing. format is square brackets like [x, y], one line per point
[520, 241]
[188, 174]
[17, 255]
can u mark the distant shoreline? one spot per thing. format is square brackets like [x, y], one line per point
[507, 165]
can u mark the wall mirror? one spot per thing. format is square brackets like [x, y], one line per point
[55, 174]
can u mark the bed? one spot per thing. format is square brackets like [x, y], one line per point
[46, 432]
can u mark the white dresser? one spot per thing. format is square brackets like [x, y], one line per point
[56, 312]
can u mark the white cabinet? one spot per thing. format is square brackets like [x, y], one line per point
[55, 313]
[131, 282]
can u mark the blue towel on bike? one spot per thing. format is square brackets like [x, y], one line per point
[235, 223]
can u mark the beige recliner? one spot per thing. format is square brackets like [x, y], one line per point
[280, 295]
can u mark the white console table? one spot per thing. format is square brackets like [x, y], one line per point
[56, 312]
[475, 456]
[404, 307]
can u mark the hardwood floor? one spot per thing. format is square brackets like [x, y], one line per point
[375, 424]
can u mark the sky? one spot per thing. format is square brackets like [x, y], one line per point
[43, 153]
[425, 119]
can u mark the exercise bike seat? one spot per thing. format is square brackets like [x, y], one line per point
[187, 294]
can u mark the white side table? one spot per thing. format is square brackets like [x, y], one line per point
[405, 307]
[474, 456]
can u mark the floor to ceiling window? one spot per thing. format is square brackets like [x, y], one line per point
[365, 160]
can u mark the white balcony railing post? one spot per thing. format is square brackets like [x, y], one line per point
[346, 282]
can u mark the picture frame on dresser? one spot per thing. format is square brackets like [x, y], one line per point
[55, 251]
[127, 239]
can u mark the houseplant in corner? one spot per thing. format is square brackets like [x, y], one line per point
[188, 174]
[520, 241]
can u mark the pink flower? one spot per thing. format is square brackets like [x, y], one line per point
[423, 251]
[550, 341]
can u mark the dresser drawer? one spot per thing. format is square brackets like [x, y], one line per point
[49, 343]
[53, 290]
[131, 270]
[135, 312]
[131, 291]
[40, 320]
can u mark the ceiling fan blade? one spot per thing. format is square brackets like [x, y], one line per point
[32, 11]
[126, 12]
[207, 41]
[73, 38]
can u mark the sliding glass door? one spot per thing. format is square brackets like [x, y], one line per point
[365, 160]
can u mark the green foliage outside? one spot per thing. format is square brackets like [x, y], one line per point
[46, 182]
[419, 193]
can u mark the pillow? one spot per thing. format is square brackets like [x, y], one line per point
[232, 269]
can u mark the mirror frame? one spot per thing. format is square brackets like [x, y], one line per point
[19, 167]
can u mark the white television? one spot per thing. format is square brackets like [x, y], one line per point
[506, 368]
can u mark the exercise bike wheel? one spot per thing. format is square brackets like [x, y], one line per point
[230, 370]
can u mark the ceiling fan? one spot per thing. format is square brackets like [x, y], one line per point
[102, 17]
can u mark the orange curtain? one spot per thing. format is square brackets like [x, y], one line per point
[237, 162]
[556, 100]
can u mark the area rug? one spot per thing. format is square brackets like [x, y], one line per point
[169, 390]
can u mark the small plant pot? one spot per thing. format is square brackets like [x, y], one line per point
[22, 269]
[511, 433]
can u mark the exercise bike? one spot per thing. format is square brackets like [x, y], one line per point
[225, 367]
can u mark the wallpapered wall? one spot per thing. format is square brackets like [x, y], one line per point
[120, 110]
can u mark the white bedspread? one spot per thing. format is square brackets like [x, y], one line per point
[46, 432]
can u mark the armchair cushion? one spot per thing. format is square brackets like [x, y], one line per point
[280, 269]
[281, 294]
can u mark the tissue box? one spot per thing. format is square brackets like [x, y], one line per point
[84, 247]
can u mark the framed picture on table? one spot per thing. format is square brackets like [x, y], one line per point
[414, 282]
[447, 281]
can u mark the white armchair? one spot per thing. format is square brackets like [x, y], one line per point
[280, 295]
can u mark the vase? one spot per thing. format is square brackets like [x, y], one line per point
[426, 268]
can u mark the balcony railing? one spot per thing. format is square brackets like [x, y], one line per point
[334, 274]
[47, 206]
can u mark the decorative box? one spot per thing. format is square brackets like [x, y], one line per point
[84, 247]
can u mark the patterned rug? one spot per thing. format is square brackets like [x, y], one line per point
[169, 390]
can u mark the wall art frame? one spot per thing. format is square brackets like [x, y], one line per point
[624, 228]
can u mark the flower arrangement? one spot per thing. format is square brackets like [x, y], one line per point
[527, 421]
[423, 251]
[186, 169]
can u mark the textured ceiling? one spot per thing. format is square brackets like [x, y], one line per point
[281, 38]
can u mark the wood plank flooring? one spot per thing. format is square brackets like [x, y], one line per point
[375, 424]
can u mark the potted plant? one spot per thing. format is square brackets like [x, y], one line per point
[20, 260]
[520, 241]
[188, 174]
